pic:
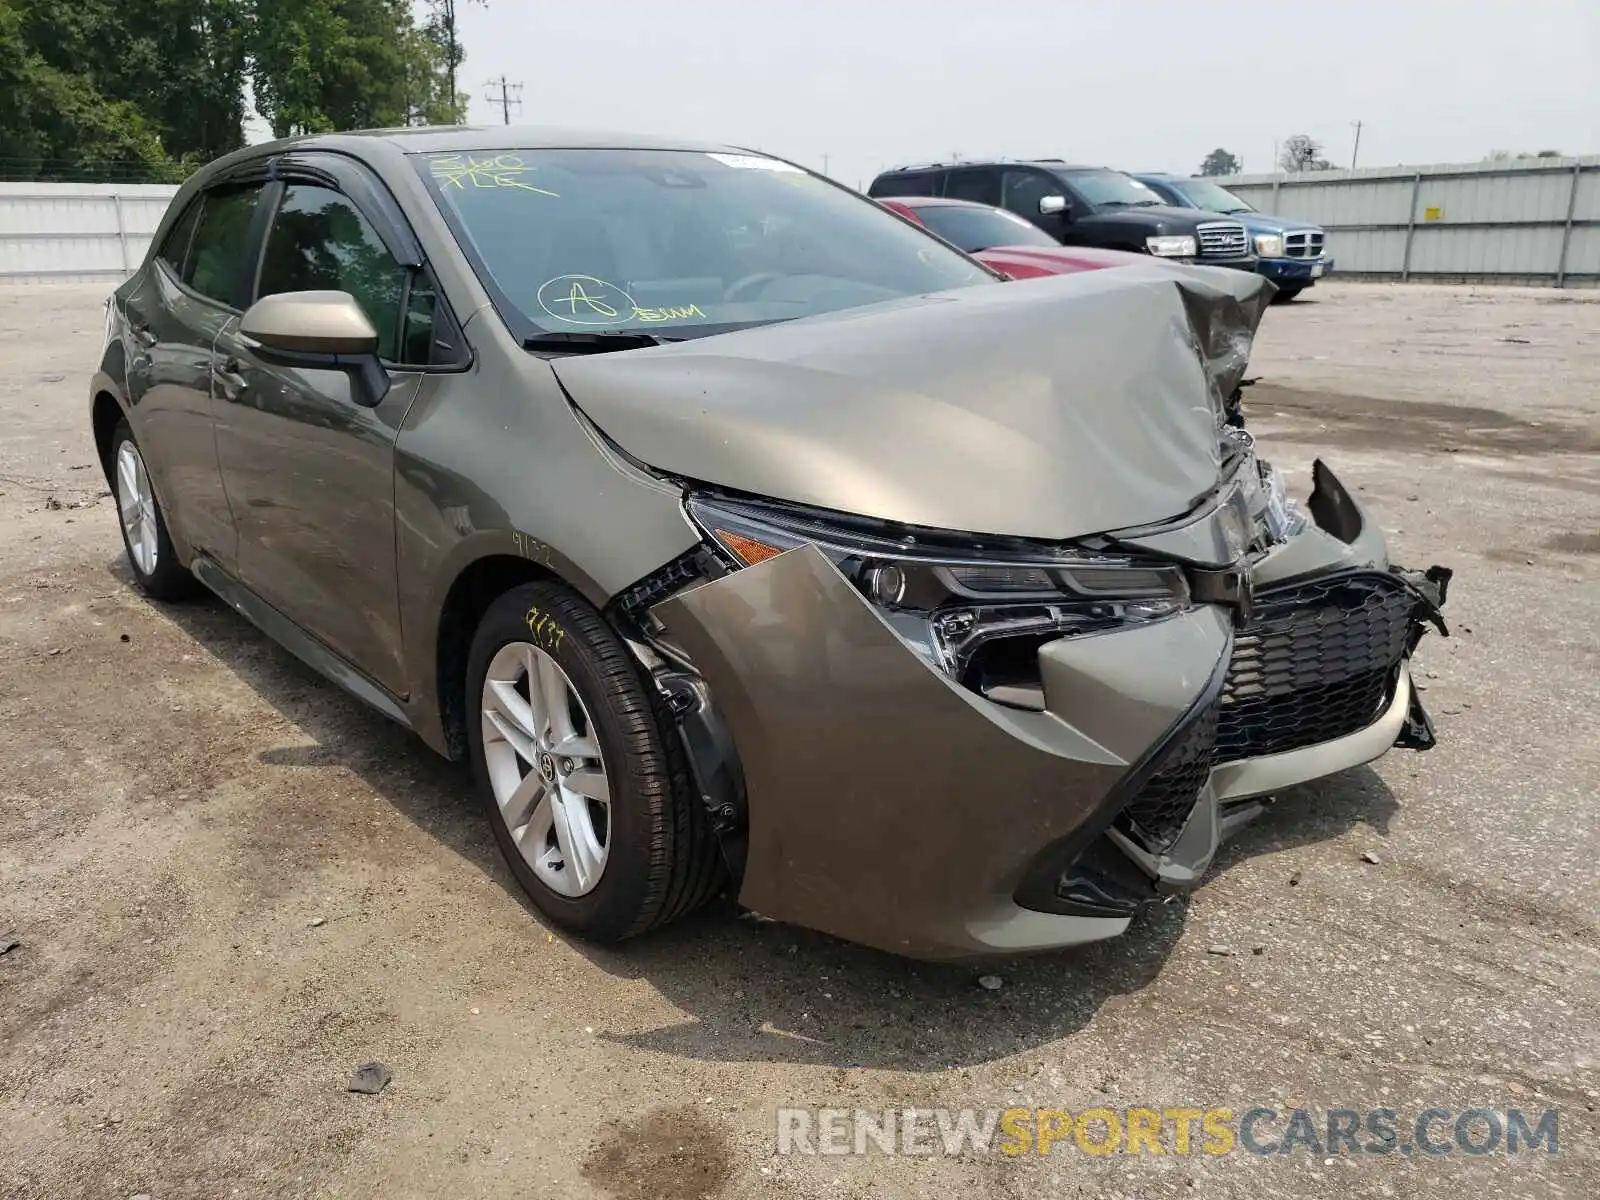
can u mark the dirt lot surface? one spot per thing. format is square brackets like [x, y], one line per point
[231, 885]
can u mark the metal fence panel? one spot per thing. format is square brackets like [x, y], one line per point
[1583, 255]
[1365, 251]
[1531, 220]
[77, 231]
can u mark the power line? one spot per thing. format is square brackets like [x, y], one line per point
[504, 94]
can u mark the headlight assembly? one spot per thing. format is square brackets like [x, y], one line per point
[1171, 246]
[1269, 245]
[960, 603]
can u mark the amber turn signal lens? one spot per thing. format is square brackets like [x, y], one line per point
[747, 549]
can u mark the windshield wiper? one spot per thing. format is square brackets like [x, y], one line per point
[594, 341]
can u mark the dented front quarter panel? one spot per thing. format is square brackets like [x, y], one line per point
[887, 805]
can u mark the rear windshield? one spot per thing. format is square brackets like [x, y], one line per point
[975, 229]
[676, 242]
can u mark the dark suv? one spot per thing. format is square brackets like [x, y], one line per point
[1081, 206]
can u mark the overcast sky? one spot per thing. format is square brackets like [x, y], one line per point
[1151, 85]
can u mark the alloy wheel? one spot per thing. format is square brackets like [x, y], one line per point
[546, 769]
[136, 503]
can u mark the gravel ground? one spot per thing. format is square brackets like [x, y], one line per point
[232, 885]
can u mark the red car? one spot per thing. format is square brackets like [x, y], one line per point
[1003, 240]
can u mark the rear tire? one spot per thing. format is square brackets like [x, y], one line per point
[606, 871]
[145, 539]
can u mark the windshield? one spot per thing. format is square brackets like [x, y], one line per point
[1202, 193]
[1111, 189]
[975, 229]
[674, 242]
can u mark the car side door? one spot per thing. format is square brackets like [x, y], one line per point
[1028, 191]
[193, 287]
[309, 466]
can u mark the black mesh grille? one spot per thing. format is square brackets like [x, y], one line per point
[1314, 663]
[1155, 817]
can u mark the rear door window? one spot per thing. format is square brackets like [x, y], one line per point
[218, 265]
[919, 183]
[974, 183]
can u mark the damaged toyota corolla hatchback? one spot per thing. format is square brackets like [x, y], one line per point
[743, 536]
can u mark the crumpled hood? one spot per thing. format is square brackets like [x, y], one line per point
[1049, 409]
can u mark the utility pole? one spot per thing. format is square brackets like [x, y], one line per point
[824, 164]
[509, 96]
[1356, 149]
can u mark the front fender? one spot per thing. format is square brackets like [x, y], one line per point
[495, 463]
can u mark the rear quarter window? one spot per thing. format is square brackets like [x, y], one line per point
[921, 183]
[175, 246]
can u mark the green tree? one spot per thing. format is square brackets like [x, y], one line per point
[429, 99]
[328, 64]
[347, 64]
[442, 31]
[134, 91]
[62, 114]
[1221, 162]
[183, 62]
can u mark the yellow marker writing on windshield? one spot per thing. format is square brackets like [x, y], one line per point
[668, 314]
[503, 170]
[576, 296]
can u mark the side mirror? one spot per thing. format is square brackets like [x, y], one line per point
[1050, 206]
[319, 330]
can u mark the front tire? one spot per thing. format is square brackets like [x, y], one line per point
[584, 779]
[1288, 292]
[154, 562]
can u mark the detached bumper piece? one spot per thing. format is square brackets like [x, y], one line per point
[1158, 812]
[1089, 875]
[1319, 660]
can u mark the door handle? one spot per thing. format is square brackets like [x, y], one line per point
[140, 329]
[229, 377]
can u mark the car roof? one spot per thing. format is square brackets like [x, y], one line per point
[442, 139]
[1049, 164]
[433, 139]
[1164, 176]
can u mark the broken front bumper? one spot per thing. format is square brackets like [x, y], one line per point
[890, 806]
[886, 804]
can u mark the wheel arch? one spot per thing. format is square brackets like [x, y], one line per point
[477, 585]
[105, 410]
